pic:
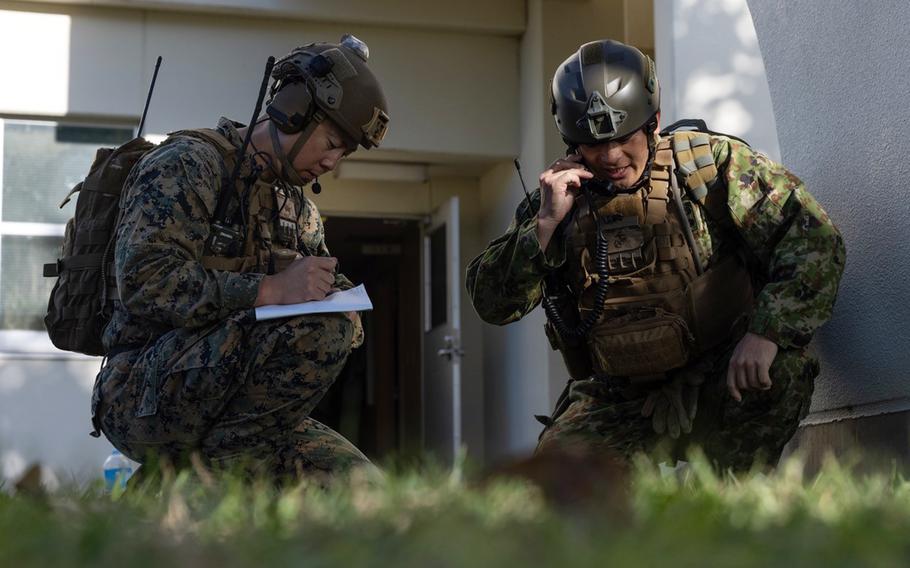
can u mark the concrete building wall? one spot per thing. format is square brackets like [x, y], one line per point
[515, 358]
[839, 97]
[437, 81]
[44, 416]
[451, 78]
[836, 75]
[504, 17]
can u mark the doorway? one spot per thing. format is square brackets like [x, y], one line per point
[376, 400]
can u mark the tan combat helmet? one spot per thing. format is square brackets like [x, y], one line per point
[326, 80]
[604, 91]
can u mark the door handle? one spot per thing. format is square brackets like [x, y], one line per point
[451, 349]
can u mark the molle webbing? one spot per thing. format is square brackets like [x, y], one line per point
[695, 161]
[658, 311]
[262, 249]
[659, 195]
[672, 251]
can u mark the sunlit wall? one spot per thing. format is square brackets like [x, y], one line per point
[34, 58]
[839, 75]
[710, 67]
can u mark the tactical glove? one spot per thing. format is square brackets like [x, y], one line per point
[672, 405]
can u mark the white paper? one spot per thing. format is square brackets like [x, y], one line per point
[353, 300]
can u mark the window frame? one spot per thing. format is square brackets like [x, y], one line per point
[31, 343]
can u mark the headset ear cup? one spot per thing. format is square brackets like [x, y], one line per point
[291, 108]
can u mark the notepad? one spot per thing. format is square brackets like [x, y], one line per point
[353, 300]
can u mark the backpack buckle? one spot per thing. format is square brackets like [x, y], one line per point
[53, 269]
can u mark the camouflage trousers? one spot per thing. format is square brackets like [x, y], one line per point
[594, 415]
[237, 393]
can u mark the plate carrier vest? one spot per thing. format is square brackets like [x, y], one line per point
[659, 313]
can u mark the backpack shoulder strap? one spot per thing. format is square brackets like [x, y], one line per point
[227, 150]
[228, 154]
[695, 162]
[224, 232]
[697, 168]
[698, 171]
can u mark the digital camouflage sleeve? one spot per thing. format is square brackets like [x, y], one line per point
[798, 249]
[797, 245]
[168, 204]
[504, 281]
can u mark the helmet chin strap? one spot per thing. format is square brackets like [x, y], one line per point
[645, 178]
[288, 173]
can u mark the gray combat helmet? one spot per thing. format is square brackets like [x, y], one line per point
[332, 80]
[325, 80]
[605, 90]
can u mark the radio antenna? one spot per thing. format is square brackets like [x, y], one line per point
[148, 99]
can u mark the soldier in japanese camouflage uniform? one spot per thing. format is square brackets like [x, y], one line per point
[683, 276]
[189, 369]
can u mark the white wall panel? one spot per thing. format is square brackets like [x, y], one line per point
[839, 76]
[108, 69]
[501, 17]
[447, 93]
[45, 417]
[71, 62]
[27, 38]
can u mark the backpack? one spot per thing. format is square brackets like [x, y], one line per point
[82, 300]
[695, 125]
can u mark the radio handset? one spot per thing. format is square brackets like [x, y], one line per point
[573, 151]
[574, 330]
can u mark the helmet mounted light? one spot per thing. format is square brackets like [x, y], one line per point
[356, 46]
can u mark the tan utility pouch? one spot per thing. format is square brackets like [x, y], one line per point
[649, 342]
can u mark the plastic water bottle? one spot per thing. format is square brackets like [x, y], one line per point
[117, 470]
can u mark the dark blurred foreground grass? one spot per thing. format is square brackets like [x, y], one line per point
[435, 518]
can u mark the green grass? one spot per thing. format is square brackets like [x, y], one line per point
[435, 518]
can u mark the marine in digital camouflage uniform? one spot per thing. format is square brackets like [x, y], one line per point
[766, 217]
[189, 369]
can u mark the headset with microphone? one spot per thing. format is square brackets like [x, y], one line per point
[322, 81]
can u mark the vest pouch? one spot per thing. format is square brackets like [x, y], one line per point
[73, 318]
[645, 343]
